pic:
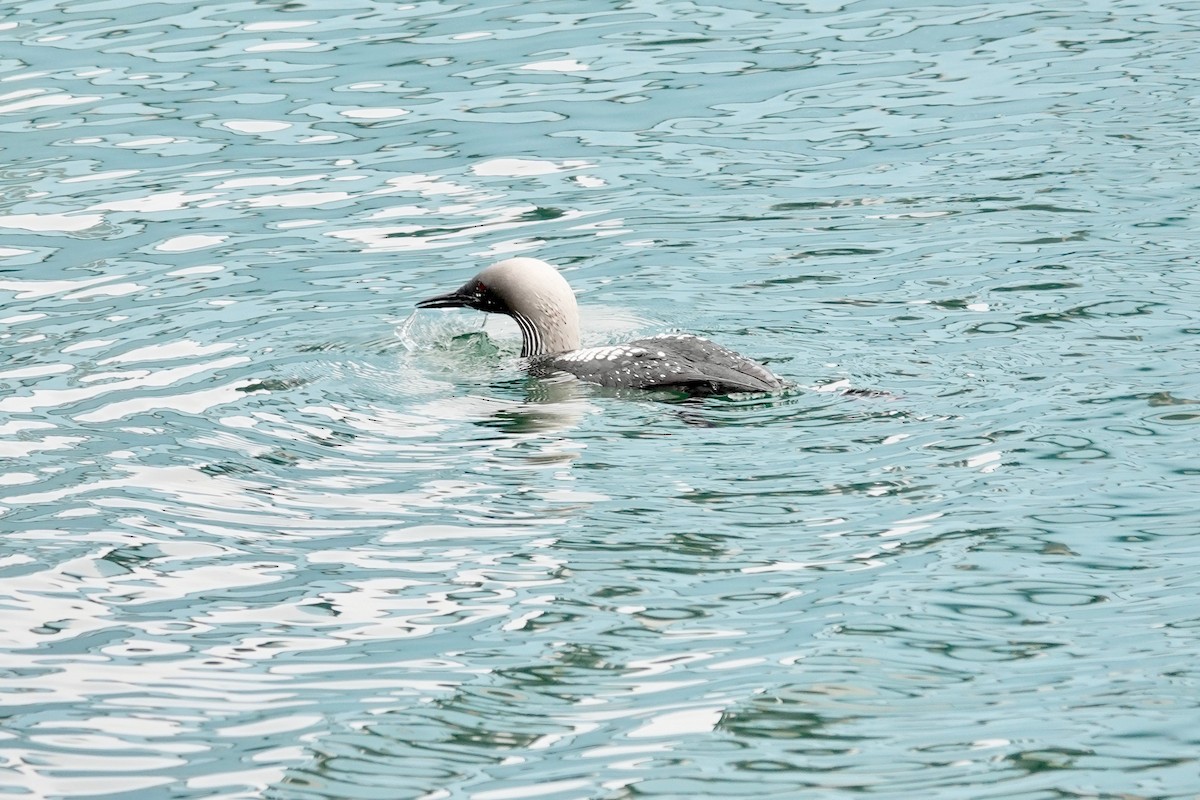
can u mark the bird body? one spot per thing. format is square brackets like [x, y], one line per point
[541, 302]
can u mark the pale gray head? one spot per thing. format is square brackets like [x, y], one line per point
[532, 293]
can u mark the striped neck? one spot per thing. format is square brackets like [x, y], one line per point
[547, 336]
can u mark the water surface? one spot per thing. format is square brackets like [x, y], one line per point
[267, 536]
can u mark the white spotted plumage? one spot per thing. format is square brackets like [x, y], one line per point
[609, 353]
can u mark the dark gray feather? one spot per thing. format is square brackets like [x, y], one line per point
[680, 362]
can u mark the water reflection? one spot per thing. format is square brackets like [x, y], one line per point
[255, 542]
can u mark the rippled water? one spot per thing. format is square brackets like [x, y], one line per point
[267, 535]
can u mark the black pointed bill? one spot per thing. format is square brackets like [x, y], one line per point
[456, 299]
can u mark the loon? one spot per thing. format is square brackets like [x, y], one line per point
[534, 294]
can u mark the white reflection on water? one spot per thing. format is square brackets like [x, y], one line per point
[51, 223]
[258, 544]
[123, 382]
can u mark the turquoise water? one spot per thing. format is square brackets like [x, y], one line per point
[268, 534]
